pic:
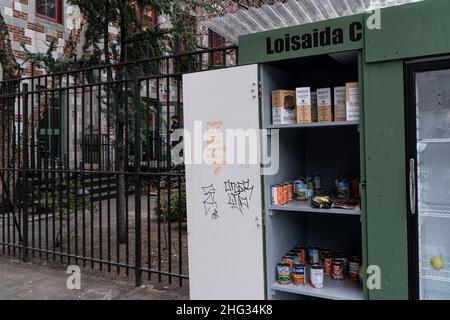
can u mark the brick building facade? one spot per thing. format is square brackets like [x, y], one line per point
[35, 24]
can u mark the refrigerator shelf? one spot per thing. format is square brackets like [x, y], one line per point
[435, 215]
[441, 279]
[438, 211]
[432, 274]
[441, 140]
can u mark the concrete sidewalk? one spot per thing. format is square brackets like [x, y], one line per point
[31, 281]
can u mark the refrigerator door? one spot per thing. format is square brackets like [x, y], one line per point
[430, 179]
[224, 208]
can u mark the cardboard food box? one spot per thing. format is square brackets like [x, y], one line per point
[324, 108]
[352, 101]
[340, 104]
[283, 107]
[304, 112]
[314, 114]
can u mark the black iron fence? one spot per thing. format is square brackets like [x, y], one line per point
[86, 169]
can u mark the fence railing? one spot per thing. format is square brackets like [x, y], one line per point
[86, 171]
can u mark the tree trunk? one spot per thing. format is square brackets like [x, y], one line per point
[11, 70]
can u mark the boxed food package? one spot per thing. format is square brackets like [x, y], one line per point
[352, 101]
[304, 112]
[283, 107]
[324, 109]
[339, 104]
[314, 114]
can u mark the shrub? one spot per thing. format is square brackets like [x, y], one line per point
[177, 209]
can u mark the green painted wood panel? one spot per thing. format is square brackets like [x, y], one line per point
[413, 30]
[386, 217]
[362, 150]
[253, 47]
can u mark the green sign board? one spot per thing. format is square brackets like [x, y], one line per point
[322, 37]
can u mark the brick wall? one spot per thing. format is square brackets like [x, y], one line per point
[35, 32]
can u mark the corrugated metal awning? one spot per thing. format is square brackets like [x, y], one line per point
[290, 13]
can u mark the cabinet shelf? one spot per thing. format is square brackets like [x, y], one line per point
[314, 125]
[333, 290]
[304, 206]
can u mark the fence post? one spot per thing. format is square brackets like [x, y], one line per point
[137, 177]
[25, 168]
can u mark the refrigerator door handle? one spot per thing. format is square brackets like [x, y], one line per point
[412, 185]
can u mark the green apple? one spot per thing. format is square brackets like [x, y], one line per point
[437, 262]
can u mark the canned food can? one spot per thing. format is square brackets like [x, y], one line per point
[274, 195]
[295, 188]
[300, 190]
[316, 276]
[280, 195]
[361, 276]
[342, 189]
[298, 274]
[287, 259]
[353, 268]
[313, 255]
[294, 255]
[337, 270]
[283, 273]
[290, 191]
[317, 182]
[310, 188]
[322, 253]
[302, 255]
[344, 259]
[354, 188]
[285, 193]
[327, 264]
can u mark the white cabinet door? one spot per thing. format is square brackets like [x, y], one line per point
[225, 237]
